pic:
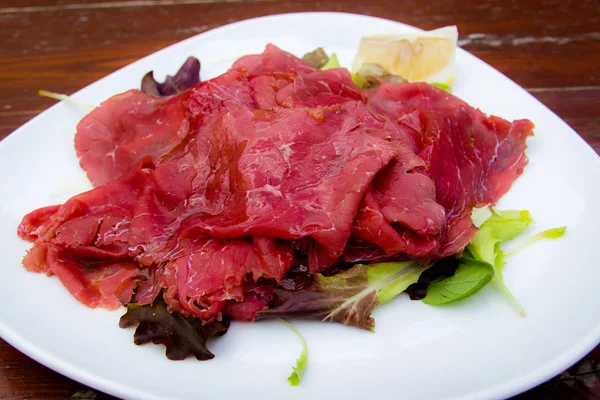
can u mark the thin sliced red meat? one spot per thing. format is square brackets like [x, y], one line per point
[96, 282]
[214, 193]
[255, 298]
[266, 87]
[272, 59]
[270, 174]
[223, 93]
[458, 234]
[85, 243]
[274, 256]
[29, 227]
[99, 218]
[473, 159]
[136, 127]
[408, 198]
[106, 283]
[371, 226]
[35, 260]
[127, 129]
[319, 89]
[358, 251]
[212, 272]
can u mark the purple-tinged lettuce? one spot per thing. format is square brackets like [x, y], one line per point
[187, 76]
[181, 336]
[347, 297]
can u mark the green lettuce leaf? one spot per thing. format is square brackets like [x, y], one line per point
[443, 86]
[483, 260]
[181, 336]
[501, 227]
[66, 99]
[357, 79]
[553, 233]
[347, 297]
[393, 278]
[441, 269]
[470, 277]
[298, 370]
[331, 63]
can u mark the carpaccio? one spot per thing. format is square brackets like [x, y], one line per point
[210, 196]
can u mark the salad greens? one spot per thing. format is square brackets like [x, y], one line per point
[187, 76]
[350, 296]
[483, 260]
[393, 278]
[65, 98]
[499, 228]
[298, 370]
[442, 86]
[331, 63]
[470, 276]
[502, 226]
[357, 79]
[181, 336]
[553, 233]
[347, 297]
[319, 59]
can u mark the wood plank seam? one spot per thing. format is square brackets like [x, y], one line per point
[563, 89]
[119, 4]
[494, 40]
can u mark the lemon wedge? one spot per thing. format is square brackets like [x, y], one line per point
[421, 56]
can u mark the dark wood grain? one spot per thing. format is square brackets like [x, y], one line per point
[550, 47]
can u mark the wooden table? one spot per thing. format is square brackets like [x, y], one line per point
[550, 47]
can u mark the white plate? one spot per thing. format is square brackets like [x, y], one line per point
[477, 349]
